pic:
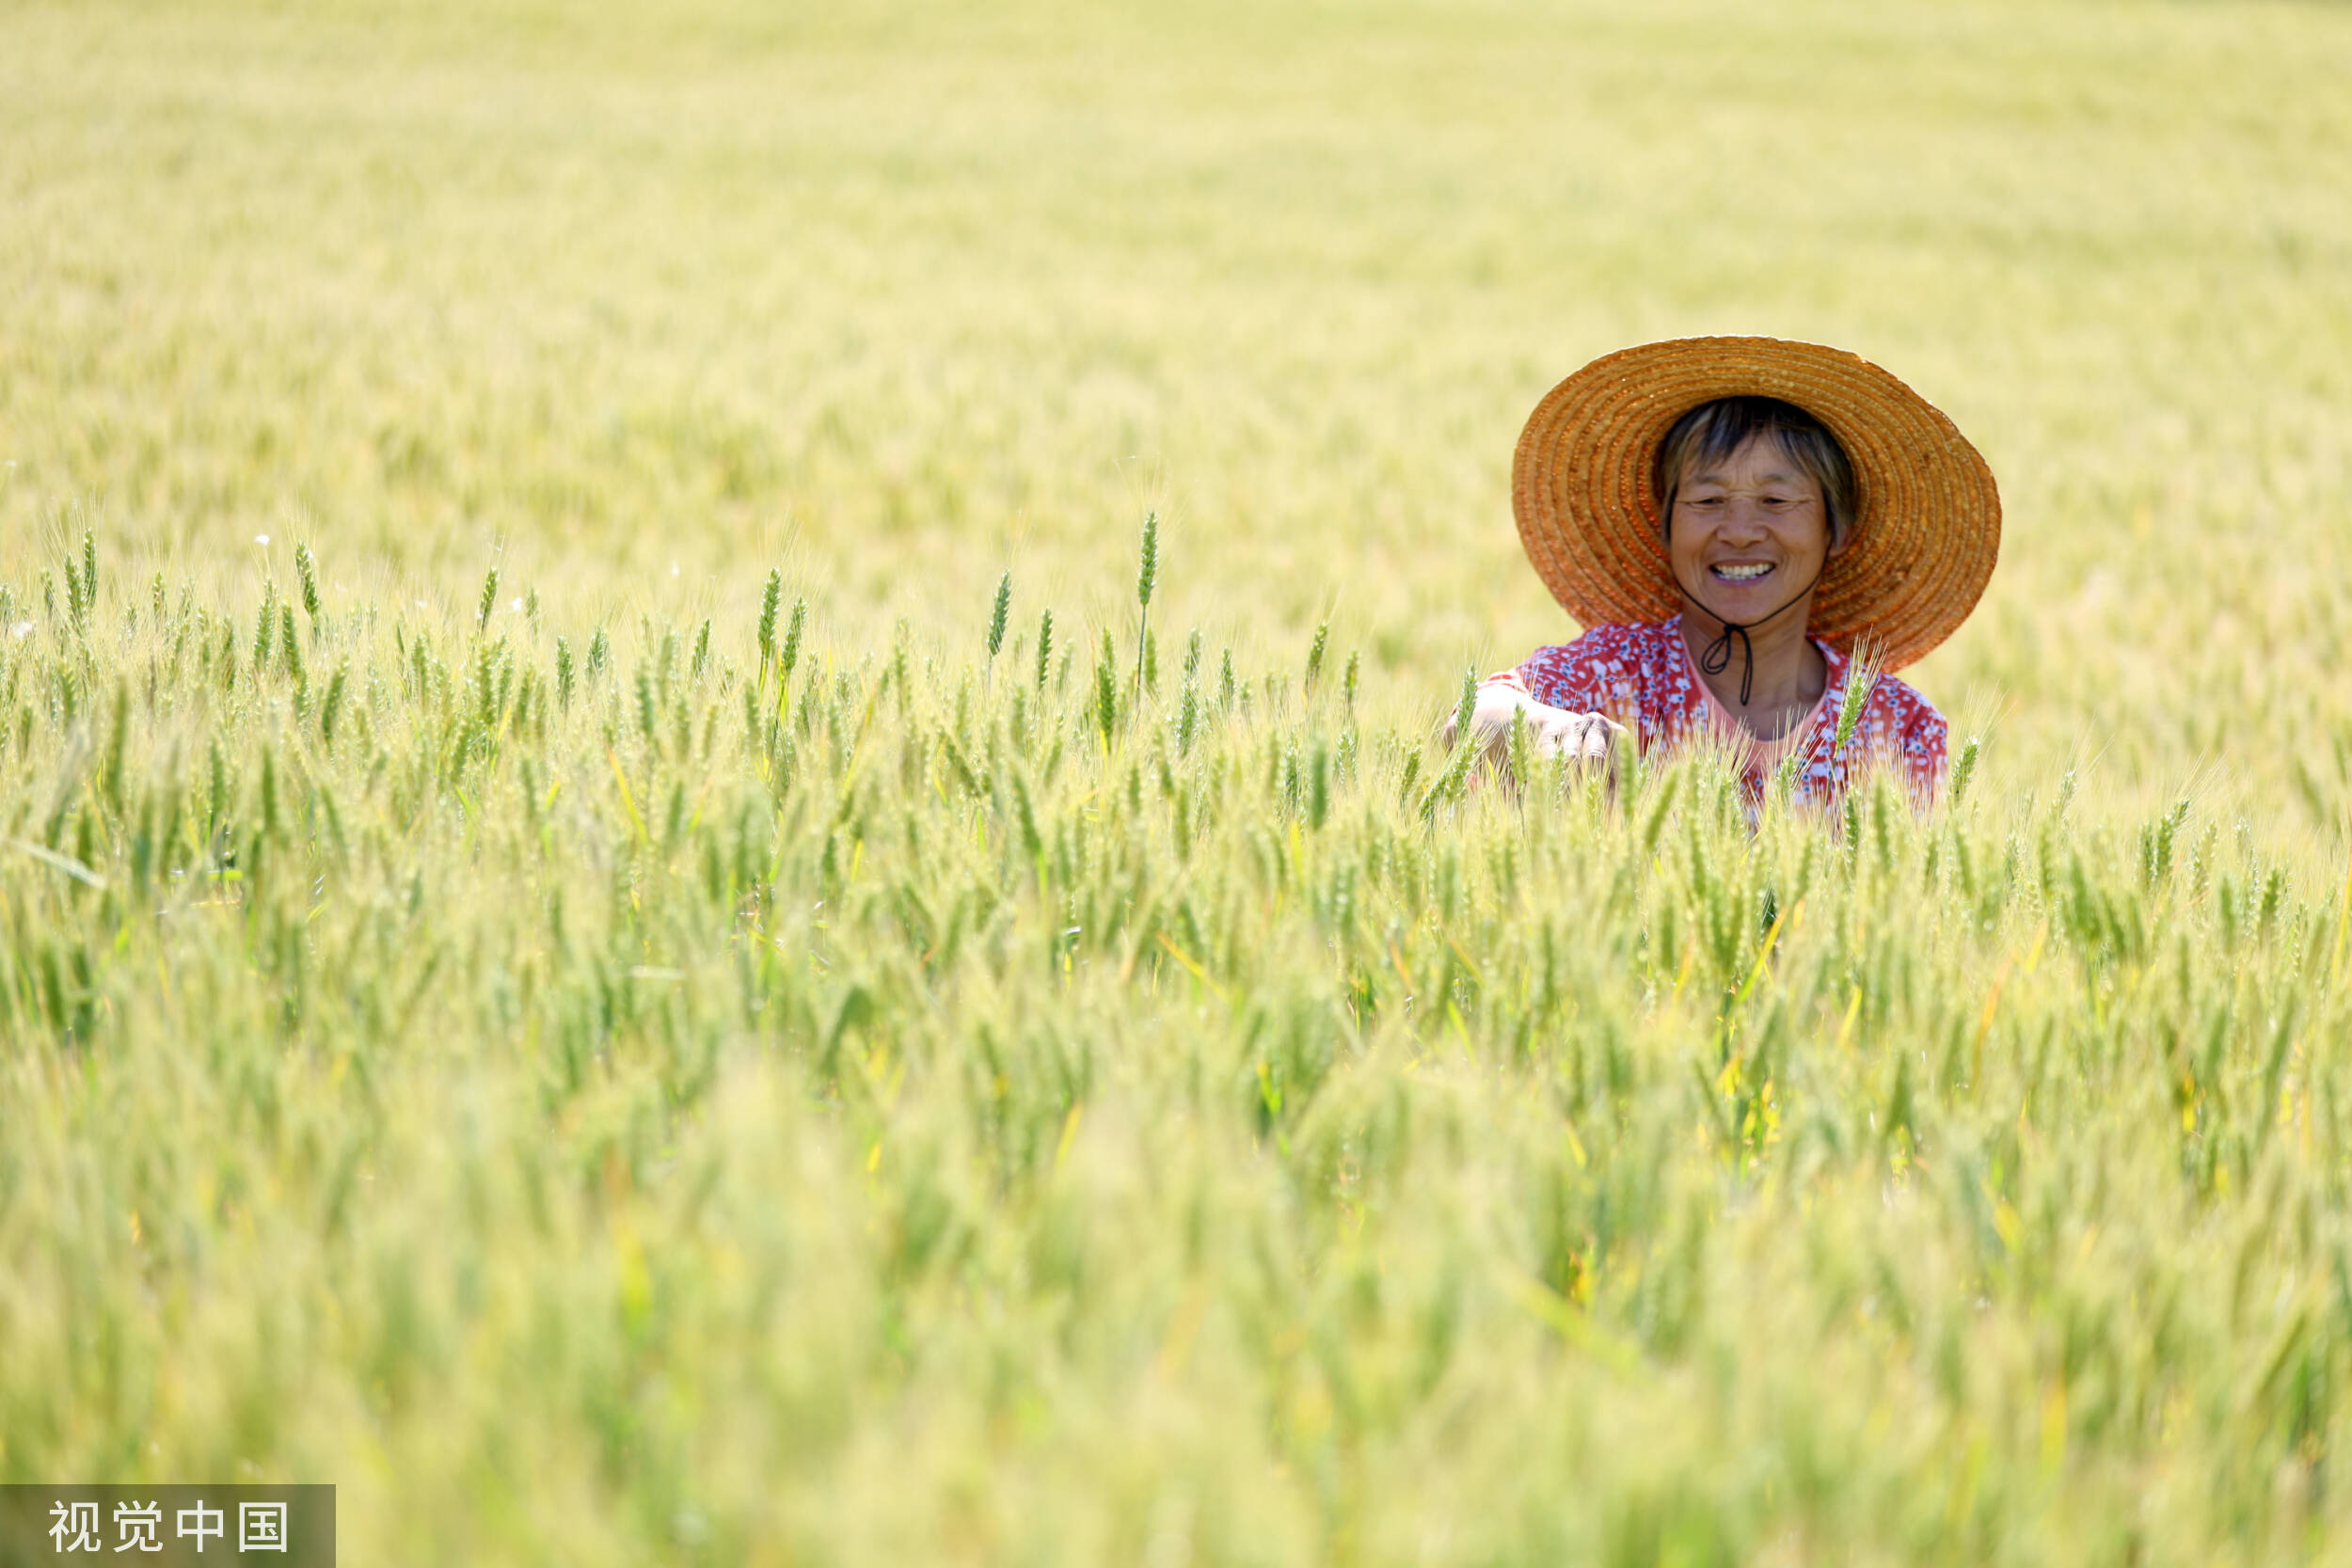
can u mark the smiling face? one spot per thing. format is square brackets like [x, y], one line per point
[1749, 531]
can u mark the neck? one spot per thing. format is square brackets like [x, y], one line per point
[1791, 673]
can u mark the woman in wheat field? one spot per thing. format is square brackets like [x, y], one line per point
[1746, 527]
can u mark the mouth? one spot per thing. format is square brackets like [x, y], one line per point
[1741, 571]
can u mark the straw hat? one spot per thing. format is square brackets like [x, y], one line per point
[1925, 535]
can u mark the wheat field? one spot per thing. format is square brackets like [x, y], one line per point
[641, 929]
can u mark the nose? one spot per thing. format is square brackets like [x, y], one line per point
[1743, 520]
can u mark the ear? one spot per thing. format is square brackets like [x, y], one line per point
[1838, 539]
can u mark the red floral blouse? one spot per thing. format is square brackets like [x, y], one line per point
[1642, 677]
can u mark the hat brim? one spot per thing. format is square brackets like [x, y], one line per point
[1926, 534]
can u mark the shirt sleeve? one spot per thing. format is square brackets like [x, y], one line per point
[1561, 677]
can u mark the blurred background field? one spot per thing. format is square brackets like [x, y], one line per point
[958, 1120]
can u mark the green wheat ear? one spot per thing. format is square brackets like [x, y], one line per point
[1965, 770]
[1861, 676]
[998, 615]
[1146, 574]
[1107, 690]
[790, 654]
[266, 625]
[306, 567]
[1188, 718]
[772, 596]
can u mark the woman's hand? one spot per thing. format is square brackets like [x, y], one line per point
[1589, 738]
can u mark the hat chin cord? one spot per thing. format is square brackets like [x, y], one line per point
[1716, 657]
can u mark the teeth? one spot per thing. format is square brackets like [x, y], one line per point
[1741, 574]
